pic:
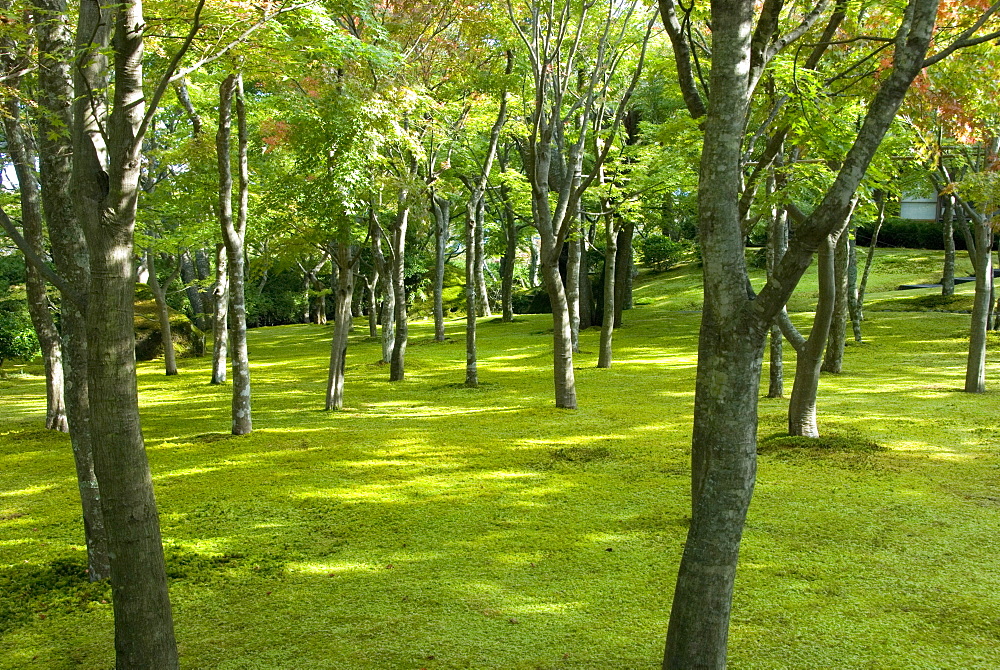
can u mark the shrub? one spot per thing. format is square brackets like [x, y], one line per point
[662, 253]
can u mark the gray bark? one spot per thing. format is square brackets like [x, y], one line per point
[69, 252]
[604, 356]
[233, 236]
[383, 271]
[471, 298]
[441, 208]
[948, 275]
[163, 312]
[198, 316]
[31, 220]
[397, 363]
[853, 310]
[880, 204]
[982, 254]
[833, 359]
[346, 260]
[624, 265]
[573, 261]
[220, 317]
[777, 243]
[508, 262]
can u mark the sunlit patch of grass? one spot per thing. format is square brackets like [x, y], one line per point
[430, 525]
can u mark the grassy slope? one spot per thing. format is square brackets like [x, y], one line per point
[432, 526]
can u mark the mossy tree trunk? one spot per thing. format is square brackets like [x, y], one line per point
[69, 253]
[982, 257]
[441, 209]
[734, 321]
[105, 178]
[948, 235]
[833, 358]
[611, 230]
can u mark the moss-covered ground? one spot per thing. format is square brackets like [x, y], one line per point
[432, 526]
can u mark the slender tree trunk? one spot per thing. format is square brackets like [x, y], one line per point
[575, 246]
[533, 262]
[880, 219]
[777, 243]
[106, 205]
[38, 300]
[220, 319]
[384, 270]
[623, 271]
[852, 287]
[442, 220]
[397, 364]
[809, 359]
[833, 360]
[371, 286]
[508, 262]
[233, 235]
[471, 307]
[483, 304]
[163, 314]
[69, 252]
[608, 314]
[975, 371]
[948, 275]
[198, 316]
[345, 260]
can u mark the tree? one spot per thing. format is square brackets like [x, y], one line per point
[744, 40]
[233, 234]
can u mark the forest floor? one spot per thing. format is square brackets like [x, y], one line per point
[432, 526]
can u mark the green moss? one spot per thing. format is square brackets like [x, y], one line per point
[430, 525]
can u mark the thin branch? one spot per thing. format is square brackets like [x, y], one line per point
[39, 264]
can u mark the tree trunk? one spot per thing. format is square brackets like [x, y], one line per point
[852, 288]
[220, 319]
[833, 360]
[163, 314]
[233, 235]
[345, 260]
[809, 358]
[106, 205]
[38, 300]
[384, 270]
[777, 243]
[69, 252]
[397, 364]
[471, 369]
[975, 371]
[608, 312]
[483, 303]
[573, 257]
[730, 348]
[948, 275]
[879, 220]
[371, 286]
[198, 316]
[442, 220]
[533, 262]
[508, 263]
[623, 271]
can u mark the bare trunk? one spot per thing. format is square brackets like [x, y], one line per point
[220, 320]
[471, 369]
[508, 262]
[106, 205]
[397, 364]
[233, 235]
[880, 219]
[854, 312]
[371, 286]
[562, 339]
[975, 371]
[483, 303]
[573, 287]
[198, 316]
[533, 262]
[163, 314]
[345, 261]
[38, 301]
[442, 220]
[777, 244]
[384, 271]
[948, 275]
[833, 359]
[623, 272]
[69, 252]
[608, 322]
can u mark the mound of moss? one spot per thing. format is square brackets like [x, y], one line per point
[188, 339]
[924, 303]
